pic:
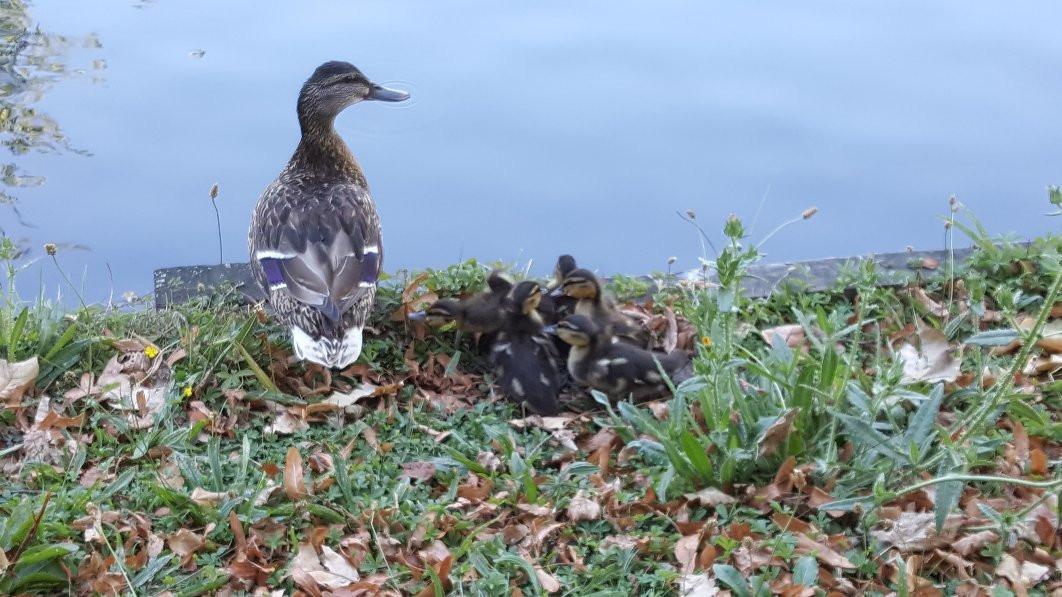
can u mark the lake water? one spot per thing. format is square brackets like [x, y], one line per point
[548, 127]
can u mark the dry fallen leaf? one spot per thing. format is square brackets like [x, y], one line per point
[420, 469]
[344, 400]
[792, 334]
[775, 435]
[1052, 337]
[285, 424]
[556, 426]
[185, 543]
[935, 360]
[671, 335]
[582, 508]
[207, 498]
[535, 509]
[549, 583]
[686, 552]
[1022, 575]
[39, 444]
[303, 565]
[827, 555]
[930, 305]
[1043, 364]
[294, 484]
[709, 497]
[916, 532]
[139, 403]
[338, 565]
[15, 378]
[697, 585]
[442, 570]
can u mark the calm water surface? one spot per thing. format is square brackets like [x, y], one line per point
[550, 127]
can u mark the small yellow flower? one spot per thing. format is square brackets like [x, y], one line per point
[706, 341]
[50, 248]
[187, 392]
[151, 352]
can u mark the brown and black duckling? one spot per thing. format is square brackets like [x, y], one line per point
[314, 238]
[592, 302]
[523, 357]
[478, 314]
[616, 368]
[564, 305]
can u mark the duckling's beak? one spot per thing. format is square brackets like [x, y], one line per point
[558, 291]
[416, 315]
[384, 94]
[549, 329]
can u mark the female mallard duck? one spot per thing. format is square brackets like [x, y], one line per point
[615, 368]
[478, 314]
[585, 287]
[524, 359]
[315, 235]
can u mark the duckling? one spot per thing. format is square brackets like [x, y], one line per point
[564, 305]
[479, 314]
[524, 359]
[314, 237]
[592, 302]
[615, 368]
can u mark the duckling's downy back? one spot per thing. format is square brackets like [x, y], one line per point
[524, 359]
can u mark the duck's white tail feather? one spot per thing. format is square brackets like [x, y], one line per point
[330, 352]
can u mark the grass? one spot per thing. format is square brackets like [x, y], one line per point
[819, 448]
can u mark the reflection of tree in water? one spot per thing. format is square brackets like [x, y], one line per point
[30, 62]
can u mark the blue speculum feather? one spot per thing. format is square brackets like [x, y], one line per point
[274, 276]
[370, 267]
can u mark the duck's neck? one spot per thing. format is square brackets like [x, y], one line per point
[322, 151]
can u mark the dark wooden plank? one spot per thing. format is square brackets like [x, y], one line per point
[174, 285]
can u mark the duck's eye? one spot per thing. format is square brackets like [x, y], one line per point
[345, 80]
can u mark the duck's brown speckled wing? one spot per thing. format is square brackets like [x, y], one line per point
[318, 242]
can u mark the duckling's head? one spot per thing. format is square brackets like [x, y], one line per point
[581, 284]
[526, 296]
[443, 312]
[565, 266]
[498, 282]
[336, 85]
[577, 330]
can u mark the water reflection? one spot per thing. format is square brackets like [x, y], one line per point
[31, 61]
[542, 128]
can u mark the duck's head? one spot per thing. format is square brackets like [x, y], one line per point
[581, 284]
[565, 266]
[577, 330]
[336, 85]
[526, 296]
[499, 283]
[443, 312]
